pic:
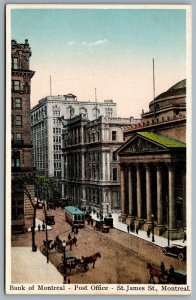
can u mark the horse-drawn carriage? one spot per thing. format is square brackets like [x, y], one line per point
[157, 276]
[72, 263]
[100, 226]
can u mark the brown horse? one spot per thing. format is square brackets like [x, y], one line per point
[91, 259]
[155, 273]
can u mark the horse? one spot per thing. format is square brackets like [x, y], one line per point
[154, 273]
[91, 259]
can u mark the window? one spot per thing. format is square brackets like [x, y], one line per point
[114, 155]
[113, 135]
[114, 174]
[18, 103]
[14, 62]
[19, 136]
[15, 85]
[18, 121]
[16, 160]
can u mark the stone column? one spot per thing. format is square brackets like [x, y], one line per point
[82, 135]
[83, 166]
[159, 197]
[171, 178]
[130, 189]
[108, 165]
[103, 166]
[139, 193]
[122, 191]
[148, 194]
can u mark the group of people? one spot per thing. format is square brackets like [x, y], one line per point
[43, 226]
[134, 228]
[163, 270]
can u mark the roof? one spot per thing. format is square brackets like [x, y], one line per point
[74, 210]
[162, 140]
[177, 89]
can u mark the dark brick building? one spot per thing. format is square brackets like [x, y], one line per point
[21, 136]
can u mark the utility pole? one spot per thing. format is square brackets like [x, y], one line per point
[96, 102]
[50, 85]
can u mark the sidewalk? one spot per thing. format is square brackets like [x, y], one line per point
[160, 241]
[32, 267]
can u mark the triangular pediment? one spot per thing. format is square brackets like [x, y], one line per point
[139, 144]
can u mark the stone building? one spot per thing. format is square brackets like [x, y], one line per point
[153, 165]
[46, 127]
[90, 168]
[21, 75]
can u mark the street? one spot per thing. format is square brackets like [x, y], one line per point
[124, 257]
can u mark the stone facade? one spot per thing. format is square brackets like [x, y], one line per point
[21, 75]
[46, 126]
[153, 165]
[91, 172]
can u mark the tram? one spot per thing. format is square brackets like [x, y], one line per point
[74, 216]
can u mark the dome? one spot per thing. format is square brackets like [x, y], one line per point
[174, 95]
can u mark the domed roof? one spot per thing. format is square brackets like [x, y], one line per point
[177, 89]
[175, 95]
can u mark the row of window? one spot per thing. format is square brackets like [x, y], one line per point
[57, 165]
[56, 147]
[56, 139]
[57, 156]
[57, 130]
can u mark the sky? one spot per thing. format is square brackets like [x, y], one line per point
[107, 49]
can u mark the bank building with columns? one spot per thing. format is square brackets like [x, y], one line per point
[153, 166]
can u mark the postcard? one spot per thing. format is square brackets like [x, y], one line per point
[98, 149]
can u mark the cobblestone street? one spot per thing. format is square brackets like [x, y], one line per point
[123, 259]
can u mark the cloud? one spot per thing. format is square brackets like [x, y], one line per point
[71, 43]
[96, 43]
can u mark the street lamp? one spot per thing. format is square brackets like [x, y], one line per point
[168, 227]
[152, 217]
[47, 252]
[64, 261]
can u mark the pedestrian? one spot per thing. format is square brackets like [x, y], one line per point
[128, 227]
[69, 236]
[39, 227]
[137, 229]
[72, 229]
[92, 222]
[43, 225]
[140, 225]
[184, 238]
[171, 271]
[76, 230]
[148, 232]
[74, 240]
[162, 267]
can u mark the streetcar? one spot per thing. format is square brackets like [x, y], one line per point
[74, 216]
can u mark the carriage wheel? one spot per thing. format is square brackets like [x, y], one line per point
[60, 268]
[180, 256]
[43, 250]
[164, 251]
[85, 268]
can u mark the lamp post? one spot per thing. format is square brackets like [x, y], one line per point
[168, 227]
[152, 218]
[64, 261]
[47, 253]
